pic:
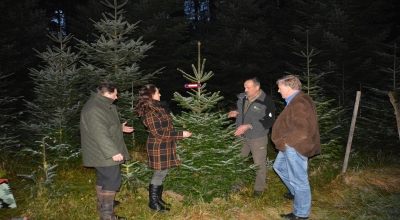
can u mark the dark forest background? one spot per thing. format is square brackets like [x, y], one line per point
[353, 45]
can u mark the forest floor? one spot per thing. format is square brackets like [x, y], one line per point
[369, 189]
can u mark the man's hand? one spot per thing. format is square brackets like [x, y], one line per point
[241, 129]
[126, 129]
[233, 114]
[118, 157]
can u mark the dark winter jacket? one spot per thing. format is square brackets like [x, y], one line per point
[101, 133]
[161, 142]
[297, 127]
[260, 114]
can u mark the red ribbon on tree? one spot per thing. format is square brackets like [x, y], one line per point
[192, 85]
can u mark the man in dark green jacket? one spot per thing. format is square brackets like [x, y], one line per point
[103, 145]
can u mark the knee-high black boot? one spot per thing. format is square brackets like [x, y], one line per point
[160, 200]
[153, 197]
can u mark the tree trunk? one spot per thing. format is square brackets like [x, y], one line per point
[396, 105]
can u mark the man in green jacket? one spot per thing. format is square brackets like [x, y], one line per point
[103, 145]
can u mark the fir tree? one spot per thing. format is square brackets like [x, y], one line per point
[328, 117]
[376, 128]
[23, 27]
[164, 23]
[115, 57]
[8, 137]
[238, 40]
[392, 94]
[55, 110]
[349, 34]
[81, 22]
[211, 161]
[376, 123]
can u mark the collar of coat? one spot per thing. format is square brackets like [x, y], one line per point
[101, 98]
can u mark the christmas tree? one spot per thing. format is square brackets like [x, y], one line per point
[211, 161]
[55, 110]
[328, 116]
[8, 138]
[114, 57]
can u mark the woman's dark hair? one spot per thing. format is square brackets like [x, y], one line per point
[145, 99]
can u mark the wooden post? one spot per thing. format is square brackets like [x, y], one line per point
[396, 105]
[351, 133]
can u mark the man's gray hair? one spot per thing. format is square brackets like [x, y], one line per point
[291, 81]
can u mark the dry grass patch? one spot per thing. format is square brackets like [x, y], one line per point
[368, 194]
[387, 179]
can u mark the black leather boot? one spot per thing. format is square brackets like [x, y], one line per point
[160, 200]
[153, 197]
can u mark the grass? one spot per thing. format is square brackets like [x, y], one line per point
[370, 189]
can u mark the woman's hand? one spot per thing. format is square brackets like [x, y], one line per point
[186, 134]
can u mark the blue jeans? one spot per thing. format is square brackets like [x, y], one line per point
[292, 169]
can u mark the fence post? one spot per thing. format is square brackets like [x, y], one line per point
[351, 133]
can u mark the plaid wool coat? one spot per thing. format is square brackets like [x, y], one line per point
[161, 142]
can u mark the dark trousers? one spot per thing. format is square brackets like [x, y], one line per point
[109, 178]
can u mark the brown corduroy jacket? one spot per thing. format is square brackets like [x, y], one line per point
[297, 127]
[161, 142]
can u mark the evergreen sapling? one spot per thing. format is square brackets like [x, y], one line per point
[114, 57]
[328, 117]
[55, 110]
[211, 161]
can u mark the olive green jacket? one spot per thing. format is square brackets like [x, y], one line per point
[101, 133]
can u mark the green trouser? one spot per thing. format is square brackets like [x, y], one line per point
[258, 149]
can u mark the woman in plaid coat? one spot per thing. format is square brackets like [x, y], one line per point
[161, 142]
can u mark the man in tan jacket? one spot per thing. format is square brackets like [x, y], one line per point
[296, 136]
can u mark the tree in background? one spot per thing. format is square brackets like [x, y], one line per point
[377, 121]
[376, 129]
[238, 39]
[80, 23]
[114, 56]
[55, 111]
[349, 34]
[328, 117]
[23, 27]
[164, 23]
[8, 116]
[211, 161]
[392, 94]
